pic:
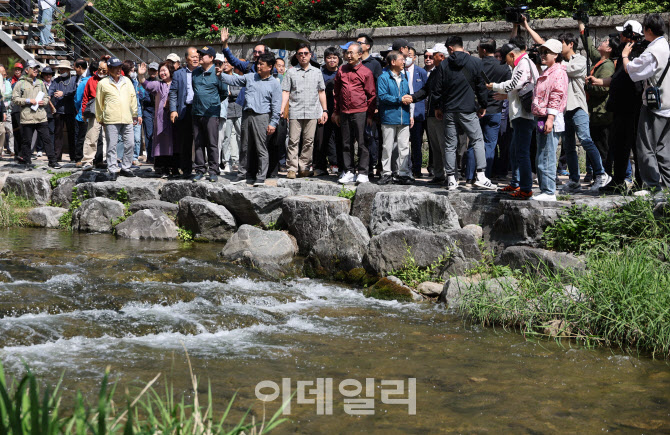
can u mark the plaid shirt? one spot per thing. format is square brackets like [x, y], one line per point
[304, 86]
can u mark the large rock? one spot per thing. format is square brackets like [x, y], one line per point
[308, 217]
[147, 224]
[524, 222]
[97, 214]
[174, 191]
[249, 205]
[205, 219]
[302, 186]
[62, 194]
[46, 217]
[365, 196]
[535, 260]
[343, 248]
[468, 242]
[154, 204]
[479, 208]
[269, 251]
[388, 251]
[33, 186]
[423, 210]
[137, 189]
[391, 289]
[457, 287]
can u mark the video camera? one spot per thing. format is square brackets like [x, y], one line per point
[534, 54]
[515, 14]
[628, 33]
[582, 13]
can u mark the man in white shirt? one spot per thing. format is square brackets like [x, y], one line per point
[653, 139]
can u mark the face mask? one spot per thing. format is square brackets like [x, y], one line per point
[102, 76]
[65, 75]
[133, 75]
[408, 62]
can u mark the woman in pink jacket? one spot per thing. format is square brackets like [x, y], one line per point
[549, 100]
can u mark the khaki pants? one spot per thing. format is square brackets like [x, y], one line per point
[91, 140]
[296, 128]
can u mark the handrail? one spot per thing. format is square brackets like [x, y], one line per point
[114, 39]
[126, 34]
[58, 11]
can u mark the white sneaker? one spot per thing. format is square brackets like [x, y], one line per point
[601, 181]
[485, 183]
[39, 154]
[362, 178]
[572, 186]
[452, 184]
[87, 167]
[544, 197]
[348, 177]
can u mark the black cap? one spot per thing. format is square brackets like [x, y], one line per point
[47, 70]
[114, 61]
[399, 43]
[207, 50]
[506, 48]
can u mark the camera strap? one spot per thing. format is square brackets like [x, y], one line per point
[665, 71]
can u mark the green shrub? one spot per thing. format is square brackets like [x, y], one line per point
[184, 235]
[347, 193]
[57, 176]
[412, 274]
[13, 210]
[65, 221]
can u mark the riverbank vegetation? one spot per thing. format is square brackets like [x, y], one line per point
[13, 210]
[620, 299]
[28, 408]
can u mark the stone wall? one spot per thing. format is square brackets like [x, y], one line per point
[421, 37]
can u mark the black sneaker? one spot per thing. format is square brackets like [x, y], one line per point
[385, 179]
[404, 180]
[437, 181]
[55, 166]
[127, 173]
[113, 176]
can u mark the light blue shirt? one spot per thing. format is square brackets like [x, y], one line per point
[189, 86]
[260, 96]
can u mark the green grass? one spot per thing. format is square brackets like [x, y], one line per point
[184, 235]
[347, 193]
[65, 221]
[57, 176]
[412, 274]
[13, 210]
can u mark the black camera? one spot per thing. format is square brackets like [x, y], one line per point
[534, 54]
[628, 33]
[582, 13]
[515, 14]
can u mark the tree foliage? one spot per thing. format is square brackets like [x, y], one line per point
[162, 19]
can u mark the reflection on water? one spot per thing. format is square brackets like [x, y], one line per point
[76, 303]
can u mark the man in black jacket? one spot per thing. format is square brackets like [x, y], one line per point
[457, 92]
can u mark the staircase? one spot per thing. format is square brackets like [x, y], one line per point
[16, 42]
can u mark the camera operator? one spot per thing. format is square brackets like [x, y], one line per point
[576, 115]
[654, 126]
[600, 120]
[625, 102]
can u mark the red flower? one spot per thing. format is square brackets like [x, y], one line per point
[278, 16]
[262, 3]
[214, 28]
[227, 4]
[235, 10]
[218, 6]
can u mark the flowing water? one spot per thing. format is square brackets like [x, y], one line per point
[73, 304]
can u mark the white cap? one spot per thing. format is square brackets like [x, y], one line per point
[219, 57]
[553, 45]
[636, 26]
[429, 51]
[440, 48]
[173, 57]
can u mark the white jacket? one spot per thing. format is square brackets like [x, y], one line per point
[524, 72]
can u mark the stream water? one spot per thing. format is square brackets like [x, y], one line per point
[76, 303]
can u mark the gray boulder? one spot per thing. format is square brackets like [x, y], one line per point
[343, 247]
[466, 240]
[46, 217]
[524, 222]
[365, 196]
[33, 186]
[62, 194]
[154, 204]
[308, 217]
[536, 259]
[302, 186]
[249, 205]
[97, 214]
[457, 287]
[423, 210]
[205, 219]
[269, 251]
[478, 208]
[137, 189]
[147, 224]
[430, 289]
[388, 251]
[174, 191]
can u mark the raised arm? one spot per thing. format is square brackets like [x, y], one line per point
[235, 62]
[533, 34]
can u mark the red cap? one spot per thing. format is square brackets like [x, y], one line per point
[18, 65]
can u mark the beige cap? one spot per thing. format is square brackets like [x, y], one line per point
[173, 57]
[64, 64]
[553, 45]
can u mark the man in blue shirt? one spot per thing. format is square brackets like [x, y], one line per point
[259, 118]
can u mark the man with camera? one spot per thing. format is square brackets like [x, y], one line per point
[576, 114]
[654, 126]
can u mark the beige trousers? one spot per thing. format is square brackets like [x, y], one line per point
[296, 128]
[91, 140]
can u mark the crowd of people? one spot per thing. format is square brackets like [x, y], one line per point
[499, 113]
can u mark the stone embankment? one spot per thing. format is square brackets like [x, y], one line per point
[311, 226]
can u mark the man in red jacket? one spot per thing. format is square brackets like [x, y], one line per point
[94, 127]
[355, 105]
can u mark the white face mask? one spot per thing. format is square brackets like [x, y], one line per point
[102, 76]
[408, 62]
[133, 75]
[65, 75]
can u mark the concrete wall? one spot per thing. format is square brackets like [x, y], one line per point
[421, 37]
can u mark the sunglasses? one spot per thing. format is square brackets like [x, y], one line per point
[428, 56]
[302, 53]
[258, 52]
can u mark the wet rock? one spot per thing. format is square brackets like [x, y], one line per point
[46, 217]
[309, 217]
[33, 186]
[390, 289]
[174, 191]
[97, 214]
[423, 210]
[137, 189]
[205, 219]
[535, 260]
[388, 251]
[453, 289]
[430, 289]
[249, 205]
[476, 230]
[302, 186]
[154, 204]
[270, 251]
[343, 248]
[524, 222]
[147, 224]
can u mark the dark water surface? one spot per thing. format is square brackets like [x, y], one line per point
[77, 303]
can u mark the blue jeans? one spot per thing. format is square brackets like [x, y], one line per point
[546, 161]
[45, 17]
[577, 122]
[490, 127]
[519, 153]
[148, 123]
